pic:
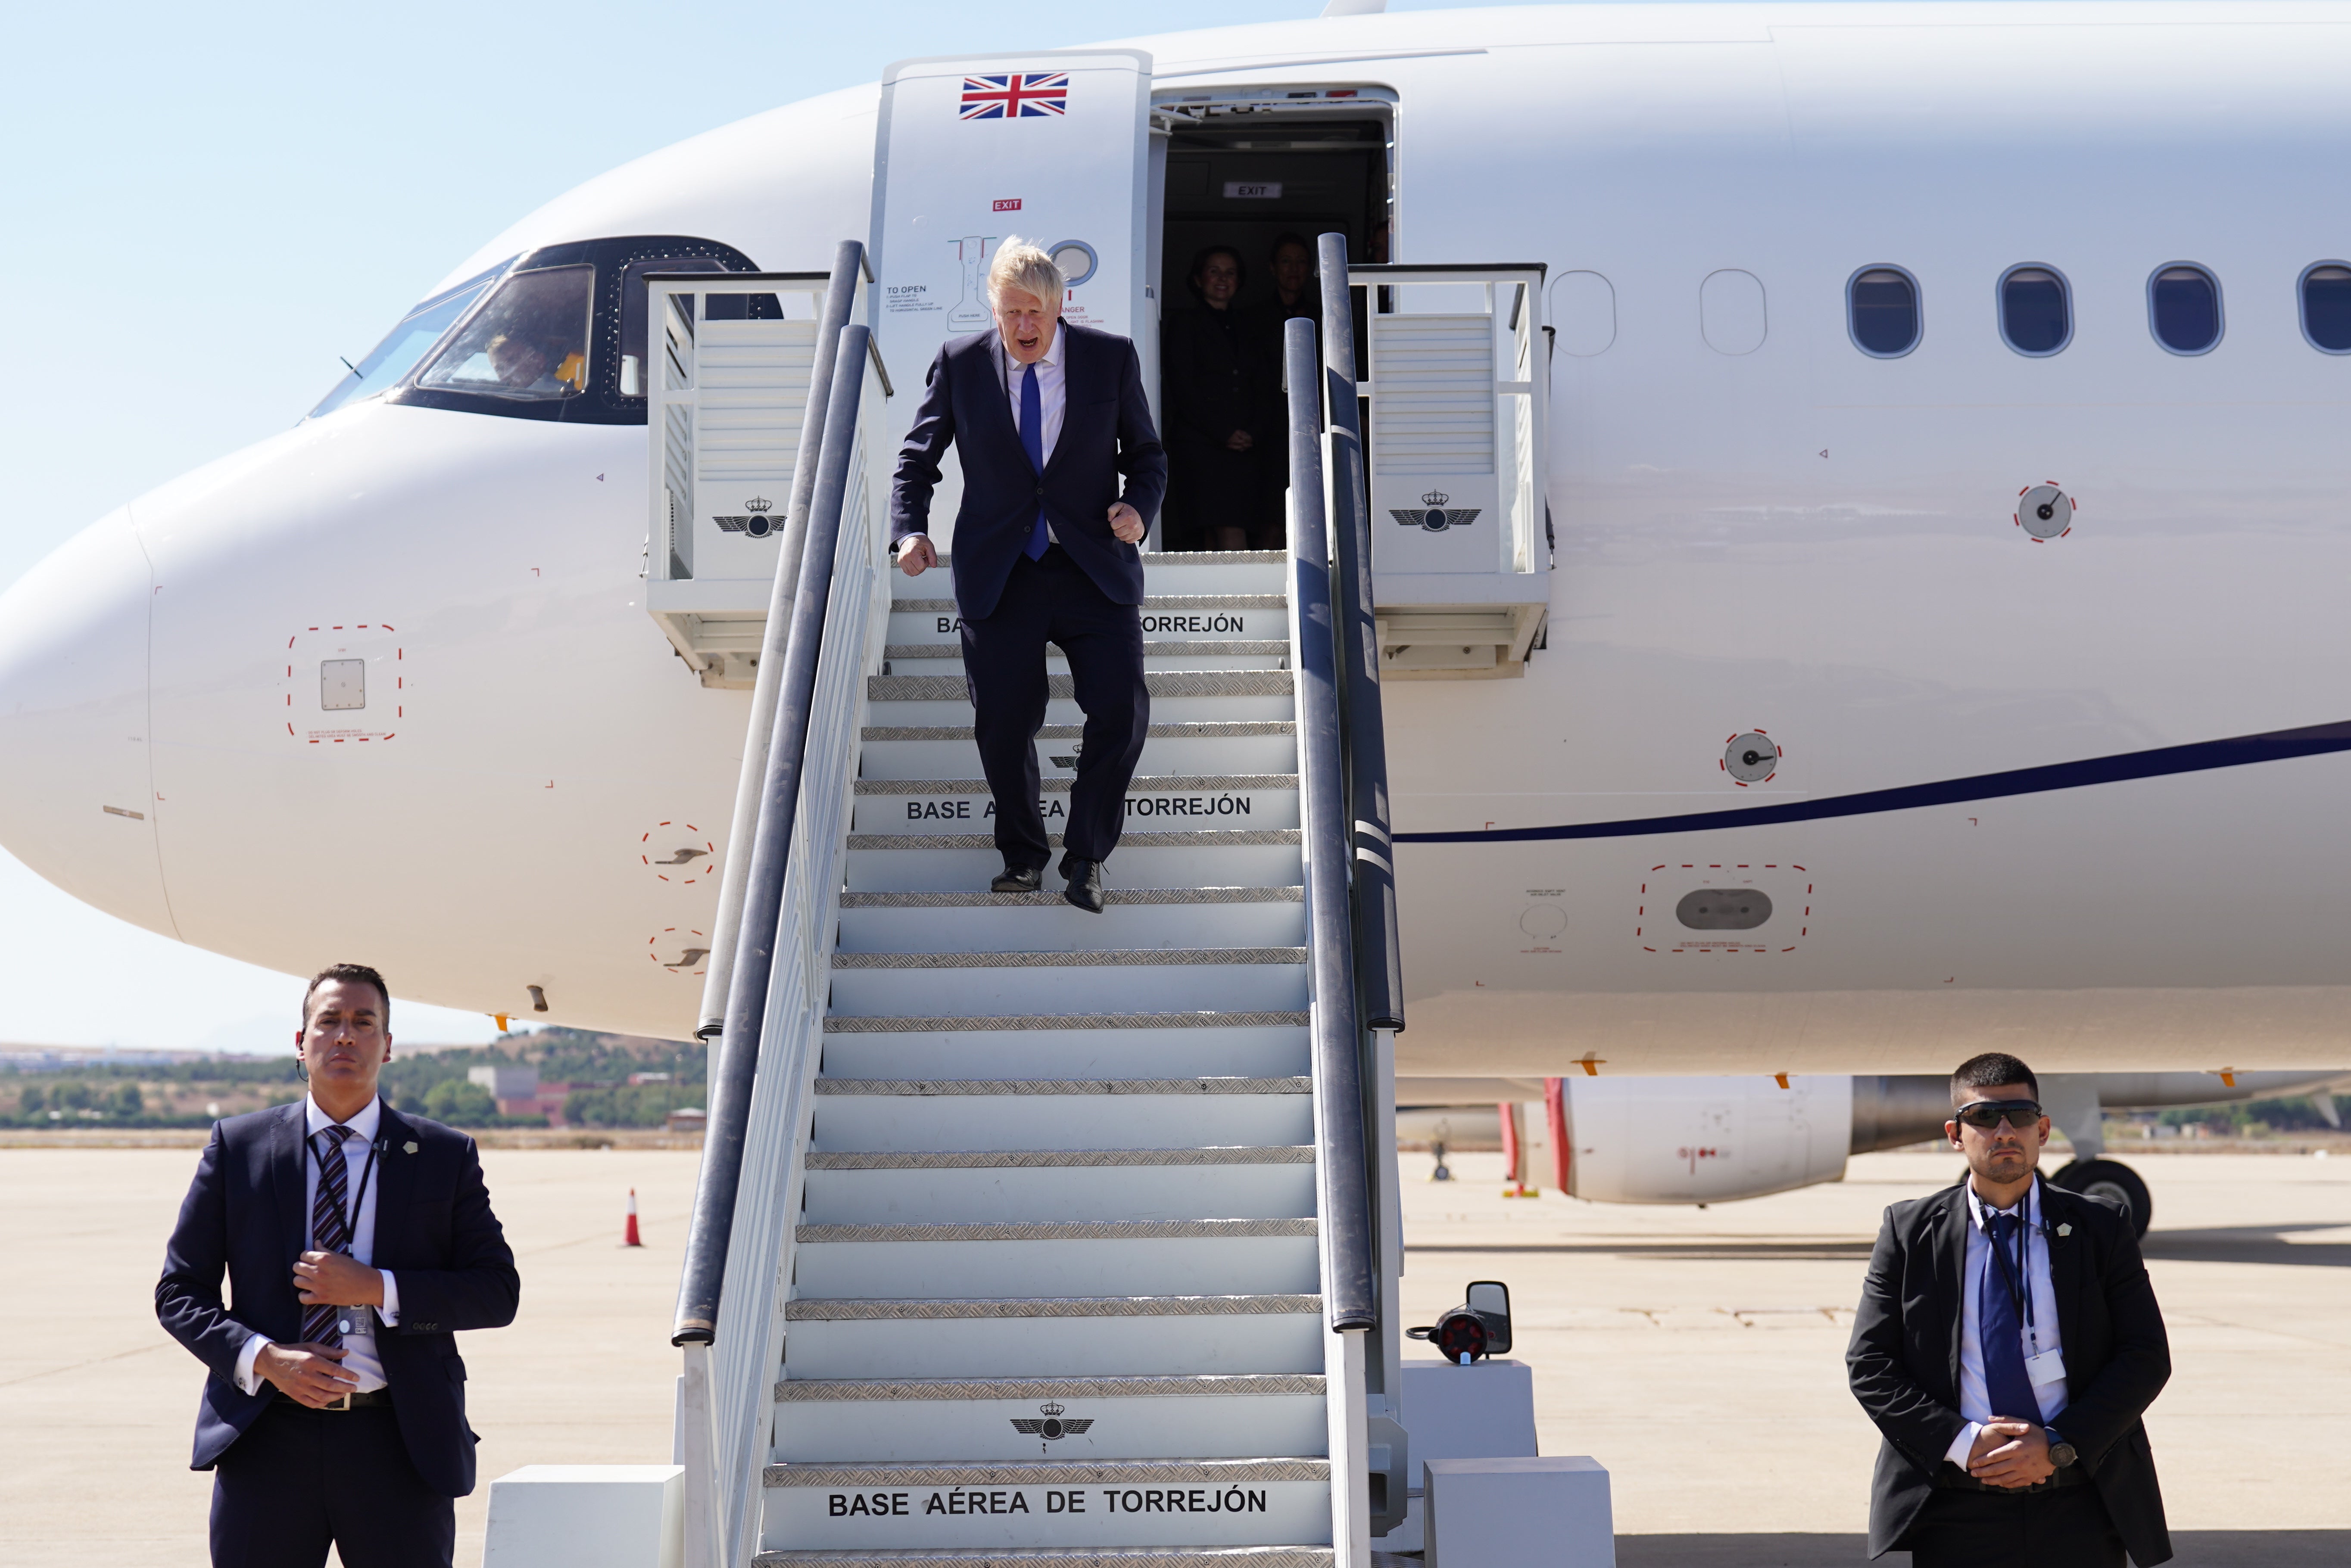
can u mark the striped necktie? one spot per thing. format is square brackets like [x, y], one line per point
[330, 1228]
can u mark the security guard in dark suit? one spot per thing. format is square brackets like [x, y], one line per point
[2007, 1341]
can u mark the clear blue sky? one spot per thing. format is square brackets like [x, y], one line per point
[207, 204]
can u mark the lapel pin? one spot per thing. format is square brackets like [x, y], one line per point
[410, 1148]
[2062, 1230]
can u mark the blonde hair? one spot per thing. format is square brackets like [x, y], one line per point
[1023, 265]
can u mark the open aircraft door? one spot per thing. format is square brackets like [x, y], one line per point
[1051, 145]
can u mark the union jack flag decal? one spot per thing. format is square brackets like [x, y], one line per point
[1021, 95]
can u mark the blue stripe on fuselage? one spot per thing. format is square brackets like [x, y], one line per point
[2242, 751]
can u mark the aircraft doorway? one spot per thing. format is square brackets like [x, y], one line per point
[1246, 179]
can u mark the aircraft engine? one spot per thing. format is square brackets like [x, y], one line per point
[1703, 1140]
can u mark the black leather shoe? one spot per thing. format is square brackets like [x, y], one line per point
[1085, 889]
[1017, 879]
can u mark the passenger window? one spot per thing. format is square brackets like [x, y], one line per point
[2035, 315]
[1882, 310]
[528, 342]
[2183, 304]
[2327, 307]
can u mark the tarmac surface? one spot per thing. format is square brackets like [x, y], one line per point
[1697, 1353]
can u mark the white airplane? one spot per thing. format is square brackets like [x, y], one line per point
[1711, 1141]
[1917, 598]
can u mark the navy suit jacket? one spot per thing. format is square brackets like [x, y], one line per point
[1106, 435]
[1903, 1361]
[433, 1231]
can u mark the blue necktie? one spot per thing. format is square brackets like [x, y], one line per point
[1033, 442]
[1999, 1333]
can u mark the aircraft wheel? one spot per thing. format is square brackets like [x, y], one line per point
[2110, 1179]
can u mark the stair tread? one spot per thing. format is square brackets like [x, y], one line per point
[862, 1309]
[904, 1390]
[835, 1088]
[1061, 1230]
[1044, 1472]
[1150, 602]
[1092, 958]
[1196, 730]
[1159, 683]
[1002, 1022]
[1045, 900]
[1142, 783]
[1174, 838]
[1168, 648]
[1062, 1557]
[1049, 1158]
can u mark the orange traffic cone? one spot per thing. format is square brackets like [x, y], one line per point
[629, 1237]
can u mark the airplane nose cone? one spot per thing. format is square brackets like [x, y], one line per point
[77, 803]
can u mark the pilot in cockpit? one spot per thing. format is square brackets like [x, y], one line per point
[522, 363]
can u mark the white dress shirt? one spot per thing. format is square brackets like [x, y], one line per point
[2039, 1336]
[358, 1339]
[1052, 399]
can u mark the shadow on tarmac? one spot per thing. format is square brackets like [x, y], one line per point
[2196, 1549]
[2250, 1244]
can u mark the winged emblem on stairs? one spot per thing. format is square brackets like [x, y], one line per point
[1433, 514]
[753, 520]
[1050, 1424]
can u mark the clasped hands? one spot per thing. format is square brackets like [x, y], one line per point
[2009, 1453]
[918, 557]
[313, 1374]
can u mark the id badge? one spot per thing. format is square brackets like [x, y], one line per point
[2045, 1368]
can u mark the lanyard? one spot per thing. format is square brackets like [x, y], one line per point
[351, 1216]
[2016, 1278]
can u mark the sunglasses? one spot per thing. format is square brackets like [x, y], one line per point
[1987, 1115]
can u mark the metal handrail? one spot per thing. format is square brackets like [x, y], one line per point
[849, 264]
[738, 1240]
[1350, 1288]
[770, 805]
[1379, 960]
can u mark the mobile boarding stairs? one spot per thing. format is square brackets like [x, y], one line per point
[1025, 1235]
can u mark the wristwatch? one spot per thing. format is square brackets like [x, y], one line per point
[2060, 1452]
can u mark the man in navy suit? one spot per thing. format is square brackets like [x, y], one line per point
[356, 1242]
[1062, 472]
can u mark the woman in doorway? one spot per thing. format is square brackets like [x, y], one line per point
[1217, 406]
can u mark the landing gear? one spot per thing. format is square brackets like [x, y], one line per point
[2110, 1179]
[1443, 1171]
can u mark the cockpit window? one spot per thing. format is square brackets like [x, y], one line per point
[408, 342]
[528, 341]
[559, 332]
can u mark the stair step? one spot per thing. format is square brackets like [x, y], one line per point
[1025, 1261]
[1187, 1044]
[1036, 1113]
[970, 1308]
[1154, 980]
[927, 805]
[869, 1186]
[1093, 1504]
[1165, 617]
[1159, 654]
[1040, 1159]
[1234, 857]
[1048, 922]
[1052, 1557]
[1060, 1230]
[845, 1089]
[1056, 1337]
[1175, 695]
[1203, 746]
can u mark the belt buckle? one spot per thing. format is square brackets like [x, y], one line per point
[344, 1403]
